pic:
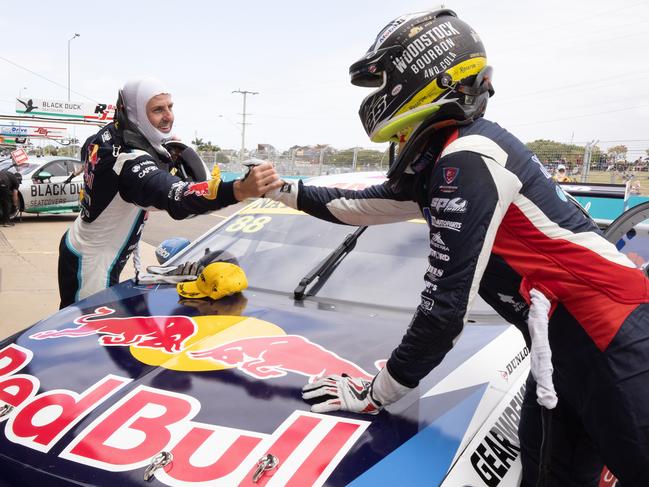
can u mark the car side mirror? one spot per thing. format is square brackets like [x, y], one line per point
[170, 247]
[42, 176]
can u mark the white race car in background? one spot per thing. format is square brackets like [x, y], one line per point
[48, 184]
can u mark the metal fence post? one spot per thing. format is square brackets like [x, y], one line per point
[322, 151]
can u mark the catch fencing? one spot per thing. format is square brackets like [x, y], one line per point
[586, 164]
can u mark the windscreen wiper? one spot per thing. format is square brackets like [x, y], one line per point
[327, 265]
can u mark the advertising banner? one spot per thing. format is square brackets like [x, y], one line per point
[33, 131]
[69, 110]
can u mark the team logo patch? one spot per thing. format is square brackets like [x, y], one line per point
[93, 154]
[450, 173]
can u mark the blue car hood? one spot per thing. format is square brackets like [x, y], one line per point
[101, 387]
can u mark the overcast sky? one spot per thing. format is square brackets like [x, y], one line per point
[563, 70]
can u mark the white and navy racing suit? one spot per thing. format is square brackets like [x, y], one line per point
[120, 184]
[500, 226]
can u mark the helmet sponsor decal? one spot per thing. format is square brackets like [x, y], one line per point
[390, 29]
[427, 47]
[414, 31]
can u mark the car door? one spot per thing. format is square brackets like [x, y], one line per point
[74, 181]
[49, 191]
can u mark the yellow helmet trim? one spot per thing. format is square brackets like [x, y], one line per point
[421, 105]
[402, 123]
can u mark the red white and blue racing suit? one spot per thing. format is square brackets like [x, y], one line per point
[500, 226]
[121, 182]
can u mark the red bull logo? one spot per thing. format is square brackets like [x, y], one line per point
[93, 154]
[168, 333]
[144, 421]
[257, 348]
[274, 356]
[207, 189]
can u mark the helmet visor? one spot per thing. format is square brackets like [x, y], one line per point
[367, 72]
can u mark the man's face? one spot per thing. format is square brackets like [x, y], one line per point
[159, 111]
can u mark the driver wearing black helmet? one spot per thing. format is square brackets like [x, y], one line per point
[499, 226]
[128, 170]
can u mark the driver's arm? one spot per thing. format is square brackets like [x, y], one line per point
[373, 205]
[460, 249]
[142, 182]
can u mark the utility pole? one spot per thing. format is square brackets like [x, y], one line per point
[243, 122]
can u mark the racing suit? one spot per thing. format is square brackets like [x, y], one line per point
[8, 189]
[499, 227]
[123, 177]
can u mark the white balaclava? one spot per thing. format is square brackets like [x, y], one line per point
[137, 94]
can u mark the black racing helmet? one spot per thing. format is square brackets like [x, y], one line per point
[425, 66]
[187, 164]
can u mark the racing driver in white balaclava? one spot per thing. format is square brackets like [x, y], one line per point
[128, 169]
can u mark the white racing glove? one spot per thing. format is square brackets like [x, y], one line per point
[357, 395]
[286, 194]
[155, 274]
[540, 354]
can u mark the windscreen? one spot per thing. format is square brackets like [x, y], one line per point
[25, 168]
[277, 246]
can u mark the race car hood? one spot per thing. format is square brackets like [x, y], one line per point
[100, 388]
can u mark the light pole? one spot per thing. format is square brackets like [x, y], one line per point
[20, 95]
[243, 123]
[70, 40]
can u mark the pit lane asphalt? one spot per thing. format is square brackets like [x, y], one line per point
[29, 254]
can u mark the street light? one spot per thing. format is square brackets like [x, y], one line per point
[70, 40]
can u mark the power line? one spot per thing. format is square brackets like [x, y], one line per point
[591, 84]
[579, 116]
[46, 78]
[582, 19]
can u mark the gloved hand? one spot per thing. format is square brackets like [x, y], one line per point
[192, 269]
[160, 274]
[357, 395]
[260, 178]
[341, 393]
[187, 269]
[286, 193]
